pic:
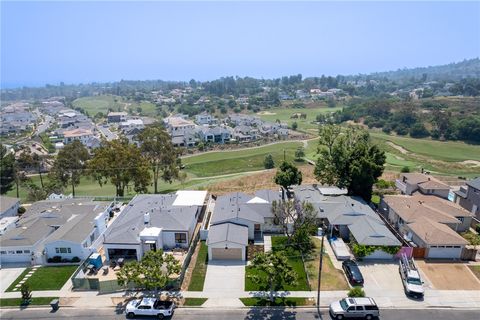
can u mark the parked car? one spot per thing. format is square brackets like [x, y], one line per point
[354, 308]
[149, 307]
[353, 272]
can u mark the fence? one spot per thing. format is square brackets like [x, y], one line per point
[186, 262]
[79, 281]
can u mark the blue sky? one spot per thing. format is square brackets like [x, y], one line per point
[49, 42]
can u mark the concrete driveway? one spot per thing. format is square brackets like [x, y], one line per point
[8, 275]
[381, 278]
[448, 276]
[225, 279]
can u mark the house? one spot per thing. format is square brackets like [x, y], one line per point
[116, 117]
[65, 228]
[9, 206]
[429, 222]
[244, 133]
[215, 134]
[469, 197]
[238, 218]
[131, 124]
[178, 126]
[348, 217]
[154, 221]
[409, 183]
[83, 135]
[7, 223]
[205, 119]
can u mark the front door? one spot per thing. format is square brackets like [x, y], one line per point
[153, 246]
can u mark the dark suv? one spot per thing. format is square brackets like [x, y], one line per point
[353, 272]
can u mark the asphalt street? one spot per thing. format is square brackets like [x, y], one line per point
[246, 314]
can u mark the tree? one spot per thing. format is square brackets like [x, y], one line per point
[348, 160]
[7, 170]
[268, 163]
[418, 130]
[70, 164]
[275, 271]
[298, 222]
[288, 175]
[356, 292]
[121, 163]
[157, 148]
[153, 272]
[299, 154]
[294, 125]
[26, 293]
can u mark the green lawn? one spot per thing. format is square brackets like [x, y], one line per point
[194, 302]
[439, 150]
[279, 302]
[217, 163]
[475, 270]
[294, 259]
[200, 269]
[284, 114]
[47, 278]
[17, 302]
[96, 104]
[19, 278]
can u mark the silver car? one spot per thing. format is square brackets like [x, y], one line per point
[354, 308]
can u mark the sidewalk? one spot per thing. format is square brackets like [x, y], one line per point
[433, 298]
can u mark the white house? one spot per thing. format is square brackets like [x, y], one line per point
[154, 221]
[70, 225]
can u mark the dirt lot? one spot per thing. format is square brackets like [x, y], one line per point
[449, 276]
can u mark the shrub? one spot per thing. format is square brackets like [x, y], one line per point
[21, 210]
[294, 126]
[356, 292]
[57, 259]
[75, 259]
[405, 169]
[477, 227]
[268, 163]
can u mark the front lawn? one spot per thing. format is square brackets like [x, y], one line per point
[294, 259]
[17, 302]
[194, 302]
[279, 302]
[332, 278]
[46, 278]
[200, 269]
[475, 270]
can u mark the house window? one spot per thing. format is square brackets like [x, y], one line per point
[19, 251]
[461, 219]
[3, 252]
[92, 237]
[63, 250]
[180, 238]
[11, 252]
[26, 251]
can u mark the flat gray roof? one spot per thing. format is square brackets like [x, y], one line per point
[68, 219]
[163, 214]
[229, 232]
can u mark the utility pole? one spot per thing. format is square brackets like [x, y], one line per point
[320, 273]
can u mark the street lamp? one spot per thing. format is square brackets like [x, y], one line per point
[320, 272]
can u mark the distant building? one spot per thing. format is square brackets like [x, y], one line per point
[469, 197]
[77, 134]
[115, 117]
[408, 183]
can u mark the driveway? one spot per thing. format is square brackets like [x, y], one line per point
[381, 278]
[225, 279]
[448, 276]
[8, 275]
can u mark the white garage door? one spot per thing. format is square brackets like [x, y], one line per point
[226, 254]
[444, 252]
[15, 258]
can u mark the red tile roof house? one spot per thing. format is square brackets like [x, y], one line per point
[430, 222]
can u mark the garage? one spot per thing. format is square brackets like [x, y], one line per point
[227, 254]
[227, 241]
[444, 252]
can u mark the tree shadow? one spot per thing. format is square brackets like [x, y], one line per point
[270, 314]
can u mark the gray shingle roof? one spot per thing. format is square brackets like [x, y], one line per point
[6, 203]
[235, 205]
[41, 220]
[364, 224]
[230, 232]
[475, 183]
[127, 227]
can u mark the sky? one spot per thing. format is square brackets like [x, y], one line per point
[81, 42]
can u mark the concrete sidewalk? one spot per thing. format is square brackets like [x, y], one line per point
[433, 298]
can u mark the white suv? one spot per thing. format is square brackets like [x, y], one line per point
[354, 308]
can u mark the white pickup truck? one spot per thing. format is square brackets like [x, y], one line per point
[412, 282]
[149, 307]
